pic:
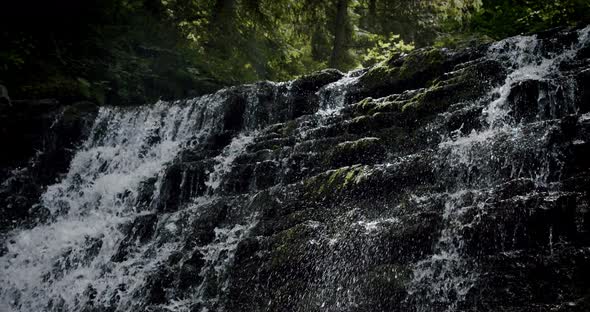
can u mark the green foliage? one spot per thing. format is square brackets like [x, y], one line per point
[384, 48]
[502, 18]
[455, 11]
[135, 51]
[113, 51]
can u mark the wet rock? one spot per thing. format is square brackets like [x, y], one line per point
[315, 81]
[448, 180]
[302, 98]
[139, 232]
[411, 71]
[384, 288]
[583, 79]
[182, 181]
[529, 221]
[265, 174]
[520, 281]
[156, 286]
[362, 151]
[233, 116]
[189, 273]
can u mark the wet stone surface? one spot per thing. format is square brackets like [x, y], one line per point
[440, 181]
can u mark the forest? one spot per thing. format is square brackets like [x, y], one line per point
[135, 51]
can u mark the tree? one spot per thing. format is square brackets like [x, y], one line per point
[341, 26]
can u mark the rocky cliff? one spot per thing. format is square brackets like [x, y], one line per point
[441, 180]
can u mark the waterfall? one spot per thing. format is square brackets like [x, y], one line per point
[55, 263]
[282, 194]
[443, 280]
[68, 260]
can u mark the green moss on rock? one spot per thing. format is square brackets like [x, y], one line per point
[407, 72]
[422, 61]
[335, 181]
[464, 83]
[289, 128]
[363, 151]
[289, 246]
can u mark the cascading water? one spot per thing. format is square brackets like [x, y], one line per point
[283, 197]
[68, 260]
[333, 95]
[226, 159]
[442, 281]
[53, 265]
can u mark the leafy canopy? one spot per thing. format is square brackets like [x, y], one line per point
[133, 51]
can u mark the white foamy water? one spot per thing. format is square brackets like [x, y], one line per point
[446, 277]
[62, 264]
[376, 225]
[218, 256]
[225, 160]
[52, 265]
[333, 96]
[523, 57]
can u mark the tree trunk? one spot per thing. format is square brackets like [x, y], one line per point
[372, 22]
[339, 47]
[221, 27]
[223, 13]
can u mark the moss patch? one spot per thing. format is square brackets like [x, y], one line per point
[289, 128]
[289, 246]
[335, 181]
[363, 151]
[462, 84]
[407, 72]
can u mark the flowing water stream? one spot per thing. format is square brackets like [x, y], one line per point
[76, 255]
[443, 280]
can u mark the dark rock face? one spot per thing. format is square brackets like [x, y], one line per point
[438, 181]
